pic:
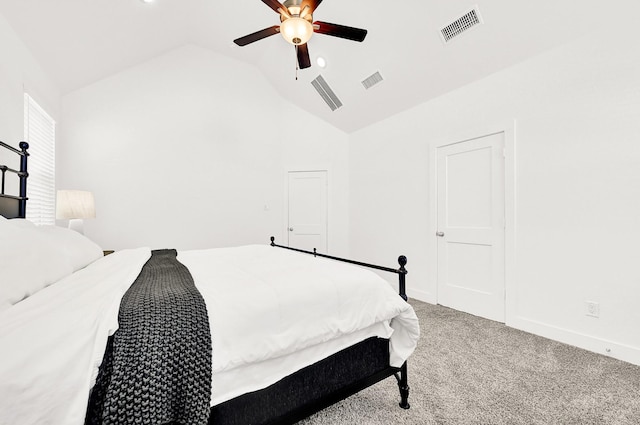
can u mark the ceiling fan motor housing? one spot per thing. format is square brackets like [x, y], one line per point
[295, 10]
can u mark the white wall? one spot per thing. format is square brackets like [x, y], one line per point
[577, 188]
[186, 150]
[20, 72]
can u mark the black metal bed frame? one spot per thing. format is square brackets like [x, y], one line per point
[401, 372]
[15, 206]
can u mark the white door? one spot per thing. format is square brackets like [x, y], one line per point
[307, 222]
[470, 234]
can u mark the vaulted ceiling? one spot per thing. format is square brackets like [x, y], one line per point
[78, 42]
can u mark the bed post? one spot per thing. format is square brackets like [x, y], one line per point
[403, 385]
[402, 272]
[22, 206]
[403, 382]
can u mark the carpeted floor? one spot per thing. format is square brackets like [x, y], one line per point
[468, 370]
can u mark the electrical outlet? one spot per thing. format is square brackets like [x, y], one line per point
[593, 309]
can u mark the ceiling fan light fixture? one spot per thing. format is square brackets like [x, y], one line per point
[296, 30]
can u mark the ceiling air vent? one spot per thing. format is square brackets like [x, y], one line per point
[326, 93]
[372, 80]
[460, 25]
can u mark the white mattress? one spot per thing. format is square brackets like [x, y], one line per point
[266, 323]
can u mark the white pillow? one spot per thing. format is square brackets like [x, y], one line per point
[79, 250]
[33, 257]
[28, 262]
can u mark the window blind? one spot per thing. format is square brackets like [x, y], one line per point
[40, 133]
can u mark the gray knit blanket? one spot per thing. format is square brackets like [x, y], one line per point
[157, 367]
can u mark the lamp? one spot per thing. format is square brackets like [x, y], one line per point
[296, 30]
[75, 205]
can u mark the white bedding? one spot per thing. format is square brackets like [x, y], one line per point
[52, 342]
[267, 320]
[268, 304]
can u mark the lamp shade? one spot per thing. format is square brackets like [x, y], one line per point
[296, 30]
[71, 204]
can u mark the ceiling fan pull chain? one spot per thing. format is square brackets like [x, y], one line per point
[297, 66]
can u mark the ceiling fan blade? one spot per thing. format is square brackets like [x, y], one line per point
[304, 61]
[274, 4]
[350, 33]
[313, 4]
[258, 35]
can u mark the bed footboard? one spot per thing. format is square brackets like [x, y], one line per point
[401, 373]
[401, 272]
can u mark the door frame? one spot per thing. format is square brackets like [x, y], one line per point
[507, 127]
[284, 236]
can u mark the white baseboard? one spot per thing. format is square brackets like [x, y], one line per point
[587, 342]
[420, 295]
[602, 346]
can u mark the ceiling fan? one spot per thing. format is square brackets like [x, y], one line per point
[297, 27]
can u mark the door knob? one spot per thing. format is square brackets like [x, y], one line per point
[440, 234]
[291, 229]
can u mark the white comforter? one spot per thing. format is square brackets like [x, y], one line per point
[272, 312]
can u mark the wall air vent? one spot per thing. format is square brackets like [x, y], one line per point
[326, 93]
[372, 80]
[460, 25]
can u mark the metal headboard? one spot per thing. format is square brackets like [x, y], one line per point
[12, 206]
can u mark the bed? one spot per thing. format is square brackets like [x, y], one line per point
[288, 332]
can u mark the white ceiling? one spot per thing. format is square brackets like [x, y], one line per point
[79, 42]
